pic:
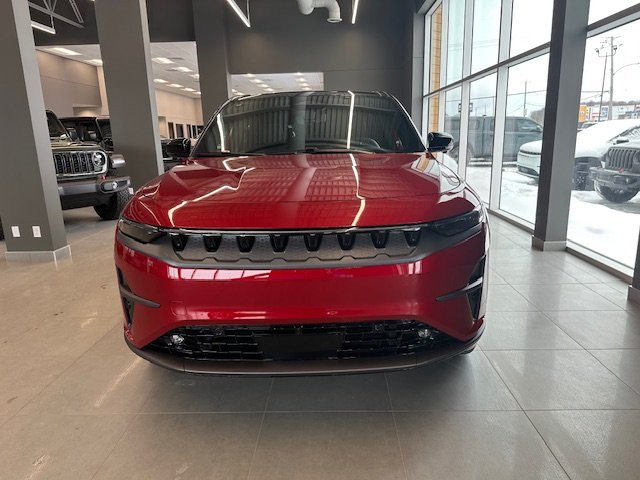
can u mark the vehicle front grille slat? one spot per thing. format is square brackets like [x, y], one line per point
[622, 158]
[235, 248]
[352, 340]
[76, 163]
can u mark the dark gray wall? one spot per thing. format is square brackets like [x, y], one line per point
[373, 54]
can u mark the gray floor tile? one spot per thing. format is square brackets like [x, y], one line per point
[591, 444]
[503, 298]
[537, 273]
[608, 330]
[564, 297]
[623, 363]
[561, 379]
[467, 382]
[58, 447]
[185, 446]
[611, 292]
[330, 393]
[309, 446]
[97, 385]
[175, 392]
[523, 331]
[481, 445]
[23, 378]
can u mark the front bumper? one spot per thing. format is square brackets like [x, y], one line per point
[90, 191]
[434, 291]
[528, 164]
[615, 179]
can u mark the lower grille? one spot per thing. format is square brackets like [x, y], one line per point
[622, 158]
[295, 342]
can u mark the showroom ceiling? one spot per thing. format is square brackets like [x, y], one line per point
[181, 75]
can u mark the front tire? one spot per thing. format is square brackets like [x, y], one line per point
[615, 196]
[113, 208]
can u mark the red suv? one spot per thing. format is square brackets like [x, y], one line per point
[307, 233]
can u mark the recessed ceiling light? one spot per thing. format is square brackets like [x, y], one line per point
[234, 90]
[183, 69]
[304, 85]
[64, 51]
[189, 89]
[270, 89]
[299, 74]
[175, 85]
[162, 60]
[196, 76]
[307, 88]
[43, 27]
[264, 85]
[250, 75]
[198, 93]
[355, 11]
[96, 61]
[159, 80]
[302, 79]
[256, 80]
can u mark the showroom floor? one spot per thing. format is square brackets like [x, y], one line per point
[552, 393]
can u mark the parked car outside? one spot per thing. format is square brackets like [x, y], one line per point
[308, 233]
[87, 174]
[618, 180]
[98, 130]
[591, 145]
[517, 131]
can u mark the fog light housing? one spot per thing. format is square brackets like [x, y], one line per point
[176, 339]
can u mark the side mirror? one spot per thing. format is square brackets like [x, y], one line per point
[73, 134]
[179, 147]
[620, 140]
[439, 142]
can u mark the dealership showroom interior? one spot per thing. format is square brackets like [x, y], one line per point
[319, 239]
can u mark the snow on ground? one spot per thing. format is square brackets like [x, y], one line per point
[607, 228]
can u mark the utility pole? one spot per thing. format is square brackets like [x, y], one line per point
[524, 106]
[608, 48]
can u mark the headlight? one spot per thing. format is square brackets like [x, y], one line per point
[99, 159]
[459, 224]
[138, 231]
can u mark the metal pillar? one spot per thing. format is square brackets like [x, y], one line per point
[566, 62]
[211, 45]
[123, 30]
[29, 201]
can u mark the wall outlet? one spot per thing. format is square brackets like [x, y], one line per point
[15, 231]
[36, 231]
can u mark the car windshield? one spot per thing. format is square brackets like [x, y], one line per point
[605, 131]
[56, 129]
[310, 122]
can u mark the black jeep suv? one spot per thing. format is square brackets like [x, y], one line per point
[86, 174]
[98, 130]
[619, 179]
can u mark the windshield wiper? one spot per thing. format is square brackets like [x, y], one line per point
[228, 154]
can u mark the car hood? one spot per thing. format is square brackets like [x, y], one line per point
[61, 144]
[585, 146]
[302, 191]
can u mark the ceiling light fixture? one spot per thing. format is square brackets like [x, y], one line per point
[307, 88]
[198, 93]
[240, 13]
[43, 27]
[159, 80]
[256, 80]
[96, 61]
[196, 76]
[270, 89]
[189, 89]
[183, 69]
[162, 60]
[64, 51]
[250, 75]
[302, 79]
[356, 4]
[175, 85]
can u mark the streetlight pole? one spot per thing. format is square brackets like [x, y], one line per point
[608, 48]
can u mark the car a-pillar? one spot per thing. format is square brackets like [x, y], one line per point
[29, 202]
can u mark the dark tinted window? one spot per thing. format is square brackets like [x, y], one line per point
[56, 129]
[294, 122]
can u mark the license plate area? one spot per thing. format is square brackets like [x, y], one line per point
[300, 346]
